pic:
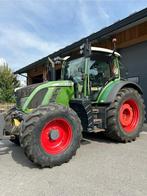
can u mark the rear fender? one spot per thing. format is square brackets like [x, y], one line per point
[114, 88]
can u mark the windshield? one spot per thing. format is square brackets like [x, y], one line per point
[74, 69]
[100, 68]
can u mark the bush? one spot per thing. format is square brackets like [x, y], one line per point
[8, 83]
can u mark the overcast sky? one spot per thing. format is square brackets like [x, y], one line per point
[32, 29]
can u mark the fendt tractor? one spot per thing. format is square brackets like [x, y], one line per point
[91, 96]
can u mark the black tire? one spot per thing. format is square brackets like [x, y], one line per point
[8, 126]
[31, 133]
[115, 130]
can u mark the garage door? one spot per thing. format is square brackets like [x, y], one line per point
[135, 58]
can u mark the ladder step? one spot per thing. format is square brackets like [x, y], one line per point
[95, 110]
[97, 121]
[97, 130]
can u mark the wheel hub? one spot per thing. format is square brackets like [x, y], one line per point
[126, 114]
[129, 115]
[54, 134]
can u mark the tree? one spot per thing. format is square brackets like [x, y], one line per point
[8, 83]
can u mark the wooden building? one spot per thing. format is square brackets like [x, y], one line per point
[131, 34]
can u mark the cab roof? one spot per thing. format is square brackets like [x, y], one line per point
[98, 49]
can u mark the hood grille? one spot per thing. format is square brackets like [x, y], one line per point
[22, 93]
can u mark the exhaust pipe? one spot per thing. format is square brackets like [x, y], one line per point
[53, 71]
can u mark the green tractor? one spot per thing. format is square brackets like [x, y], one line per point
[92, 96]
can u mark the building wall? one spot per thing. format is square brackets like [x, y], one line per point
[39, 73]
[135, 58]
[126, 37]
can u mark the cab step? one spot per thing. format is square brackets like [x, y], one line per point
[95, 110]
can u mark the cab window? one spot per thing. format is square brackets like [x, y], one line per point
[99, 71]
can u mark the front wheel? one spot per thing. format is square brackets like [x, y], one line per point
[51, 135]
[125, 116]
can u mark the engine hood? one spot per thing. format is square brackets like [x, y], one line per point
[60, 83]
[32, 96]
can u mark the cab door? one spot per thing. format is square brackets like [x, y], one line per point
[101, 71]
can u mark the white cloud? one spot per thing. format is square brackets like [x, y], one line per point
[24, 38]
[103, 13]
[18, 41]
[31, 30]
[92, 17]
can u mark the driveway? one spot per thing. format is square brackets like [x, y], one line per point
[101, 167]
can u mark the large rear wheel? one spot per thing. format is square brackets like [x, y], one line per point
[51, 135]
[125, 116]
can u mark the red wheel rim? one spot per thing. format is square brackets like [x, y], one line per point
[56, 136]
[129, 115]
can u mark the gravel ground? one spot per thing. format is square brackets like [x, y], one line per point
[101, 167]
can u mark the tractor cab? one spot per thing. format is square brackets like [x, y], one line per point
[91, 73]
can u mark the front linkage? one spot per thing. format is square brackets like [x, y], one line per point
[13, 119]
